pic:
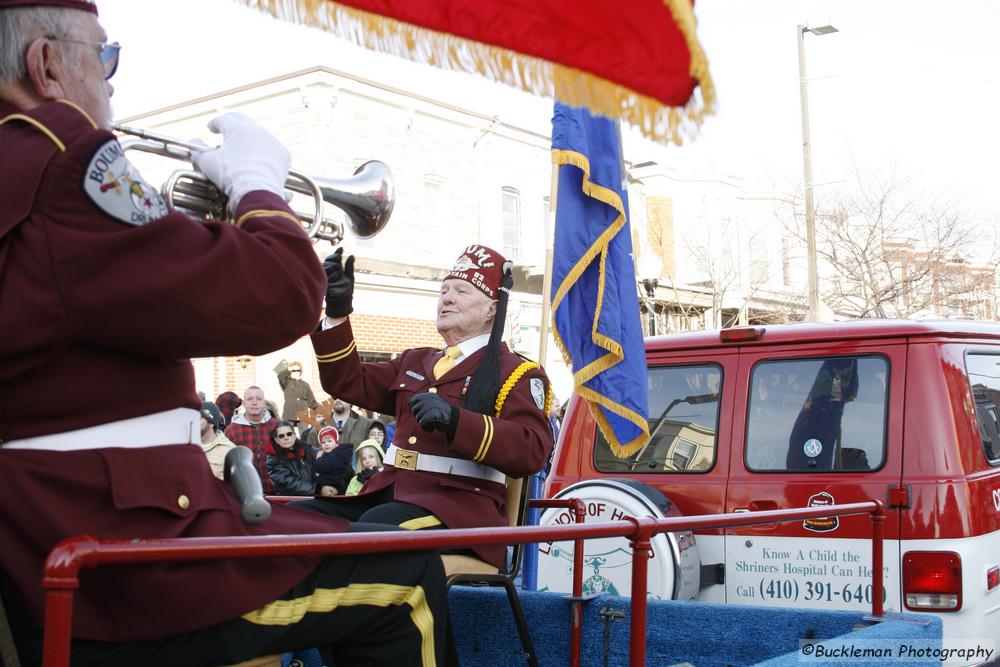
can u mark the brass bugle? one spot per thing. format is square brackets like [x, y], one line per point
[367, 198]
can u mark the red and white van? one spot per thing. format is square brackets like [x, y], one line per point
[755, 418]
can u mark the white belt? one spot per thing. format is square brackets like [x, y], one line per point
[170, 427]
[406, 459]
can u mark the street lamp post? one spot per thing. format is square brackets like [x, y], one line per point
[816, 28]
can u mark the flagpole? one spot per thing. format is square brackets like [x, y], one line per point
[550, 223]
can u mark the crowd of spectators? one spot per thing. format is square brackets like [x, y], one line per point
[318, 456]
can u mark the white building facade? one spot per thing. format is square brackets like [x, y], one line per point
[463, 176]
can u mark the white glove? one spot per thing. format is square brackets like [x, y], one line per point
[250, 158]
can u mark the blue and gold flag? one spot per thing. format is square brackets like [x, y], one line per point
[595, 304]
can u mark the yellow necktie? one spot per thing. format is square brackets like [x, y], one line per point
[447, 362]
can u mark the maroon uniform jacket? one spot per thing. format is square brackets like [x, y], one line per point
[517, 441]
[98, 318]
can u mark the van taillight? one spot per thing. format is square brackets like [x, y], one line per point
[741, 334]
[993, 578]
[932, 581]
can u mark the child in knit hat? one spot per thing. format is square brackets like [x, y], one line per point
[332, 463]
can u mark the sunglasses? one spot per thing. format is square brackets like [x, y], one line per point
[108, 52]
[285, 435]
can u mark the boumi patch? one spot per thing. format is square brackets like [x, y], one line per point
[116, 188]
[537, 391]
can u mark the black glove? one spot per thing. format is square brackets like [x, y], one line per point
[339, 284]
[434, 413]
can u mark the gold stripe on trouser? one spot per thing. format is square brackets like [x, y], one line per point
[484, 446]
[421, 522]
[288, 612]
[336, 356]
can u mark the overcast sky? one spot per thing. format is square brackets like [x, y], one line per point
[907, 87]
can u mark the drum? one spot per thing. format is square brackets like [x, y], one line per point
[674, 569]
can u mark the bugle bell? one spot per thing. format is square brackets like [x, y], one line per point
[367, 198]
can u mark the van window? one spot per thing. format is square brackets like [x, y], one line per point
[984, 378]
[683, 421]
[807, 415]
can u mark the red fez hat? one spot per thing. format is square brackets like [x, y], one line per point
[85, 5]
[481, 267]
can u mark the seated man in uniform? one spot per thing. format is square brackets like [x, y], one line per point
[466, 416]
[100, 285]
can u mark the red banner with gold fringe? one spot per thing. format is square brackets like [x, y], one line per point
[638, 60]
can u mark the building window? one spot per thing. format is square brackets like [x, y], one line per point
[760, 265]
[434, 202]
[371, 357]
[511, 224]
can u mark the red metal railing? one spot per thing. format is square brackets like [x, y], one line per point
[578, 509]
[62, 568]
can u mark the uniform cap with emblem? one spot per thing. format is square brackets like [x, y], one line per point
[481, 267]
[72, 4]
[490, 273]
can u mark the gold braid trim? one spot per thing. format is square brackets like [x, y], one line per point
[82, 112]
[265, 213]
[38, 126]
[531, 74]
[512, 380]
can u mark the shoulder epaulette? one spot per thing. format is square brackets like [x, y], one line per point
[512, 379]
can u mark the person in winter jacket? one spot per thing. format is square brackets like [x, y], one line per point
[298, 394]
[333, 463]
[213, 442]
[366, 461]
[290, 467]
[250, 429]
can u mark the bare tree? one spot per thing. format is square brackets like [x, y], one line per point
[893, 256]
[712, 255]
[732, 290]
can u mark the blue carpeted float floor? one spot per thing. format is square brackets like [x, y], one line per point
[698, 634]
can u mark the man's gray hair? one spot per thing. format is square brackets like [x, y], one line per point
[20, 25]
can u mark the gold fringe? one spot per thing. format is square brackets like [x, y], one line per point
[530, 74]
[615, 353]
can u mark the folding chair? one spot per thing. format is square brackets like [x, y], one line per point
[461, 569]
